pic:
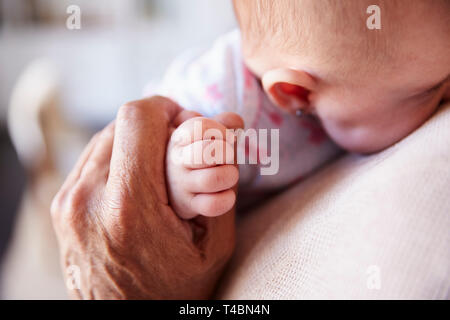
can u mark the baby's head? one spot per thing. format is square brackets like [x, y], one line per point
[369, 88]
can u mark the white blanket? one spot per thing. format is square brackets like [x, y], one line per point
[365, 227]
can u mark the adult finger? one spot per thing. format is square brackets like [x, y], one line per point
[98, 161]
[140, 139]
[75, 173]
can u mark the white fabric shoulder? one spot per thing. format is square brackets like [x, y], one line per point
[209, 82]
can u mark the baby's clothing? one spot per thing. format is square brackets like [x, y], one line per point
[216, 80]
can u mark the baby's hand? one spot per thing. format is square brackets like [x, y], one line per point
[200, 167]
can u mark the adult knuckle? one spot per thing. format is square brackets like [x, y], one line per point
[75, 200]
[158, 101]
[131, 110]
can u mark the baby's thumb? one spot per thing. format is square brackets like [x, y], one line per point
[230, 120]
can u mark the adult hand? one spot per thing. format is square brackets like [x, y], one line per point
[114, 223]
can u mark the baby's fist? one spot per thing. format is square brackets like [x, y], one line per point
[201, 168]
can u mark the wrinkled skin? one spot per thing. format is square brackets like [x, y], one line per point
[114, 223]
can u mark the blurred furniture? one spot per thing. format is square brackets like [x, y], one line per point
[121, 46]
[364, 227]
[12, 183]
[47, 146]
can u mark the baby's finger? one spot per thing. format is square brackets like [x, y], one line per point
[230, 120]
[213, 204]
[205, 154]
[199, 128]
[212, 180]
[184, 116]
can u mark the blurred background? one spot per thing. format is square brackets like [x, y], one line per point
[57, 87]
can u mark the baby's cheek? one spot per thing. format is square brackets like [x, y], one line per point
[359, 139]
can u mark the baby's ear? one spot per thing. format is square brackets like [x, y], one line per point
[288, 88]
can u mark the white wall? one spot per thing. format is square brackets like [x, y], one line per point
[102, 67]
